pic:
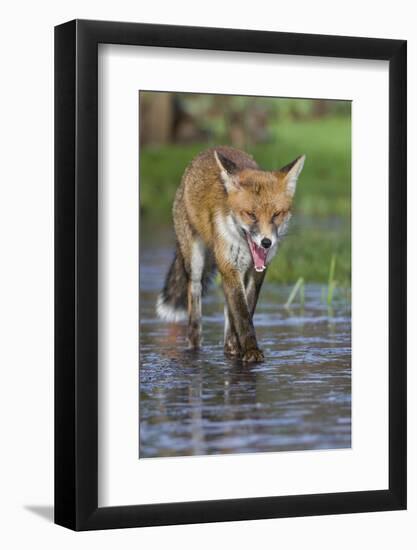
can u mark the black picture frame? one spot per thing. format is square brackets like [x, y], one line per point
[76, 272]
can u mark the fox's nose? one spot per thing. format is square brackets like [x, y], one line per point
[266, 243]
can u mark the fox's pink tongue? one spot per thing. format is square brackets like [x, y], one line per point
[258, 254]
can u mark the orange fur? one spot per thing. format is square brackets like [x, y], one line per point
[202, 195]
[230, 215]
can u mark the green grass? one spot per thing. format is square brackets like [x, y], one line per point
[161, 170]
[308, 252]
[323, 193]
[298, 288]
[324, 186]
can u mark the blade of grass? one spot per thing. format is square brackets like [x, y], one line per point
[302, 294]
[330, 292]
[332, 282]
[293, 292]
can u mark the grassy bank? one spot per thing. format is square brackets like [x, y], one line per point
[322, 205]
[307, 251]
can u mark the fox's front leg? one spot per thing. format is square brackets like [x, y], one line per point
[253, 283]
[240, 315]
[231, 341]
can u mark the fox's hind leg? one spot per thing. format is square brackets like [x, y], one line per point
[195, 288]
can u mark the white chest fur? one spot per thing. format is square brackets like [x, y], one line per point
[235, 247]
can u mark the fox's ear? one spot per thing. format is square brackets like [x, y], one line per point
[291, 172]
[228, 171]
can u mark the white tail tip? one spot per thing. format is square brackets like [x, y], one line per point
[168, 313]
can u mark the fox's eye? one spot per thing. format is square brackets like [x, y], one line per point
[275, 215]
[251, 215]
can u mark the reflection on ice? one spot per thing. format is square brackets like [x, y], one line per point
[194, 403]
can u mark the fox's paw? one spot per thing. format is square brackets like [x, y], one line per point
[255, 355]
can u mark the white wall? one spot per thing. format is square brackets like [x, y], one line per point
[26, 299]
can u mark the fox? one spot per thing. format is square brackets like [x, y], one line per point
[229, 217]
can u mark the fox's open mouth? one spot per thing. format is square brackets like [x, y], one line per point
[259, 254]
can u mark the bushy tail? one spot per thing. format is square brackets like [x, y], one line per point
[171, 304]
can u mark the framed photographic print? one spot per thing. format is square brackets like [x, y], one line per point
[230, 275]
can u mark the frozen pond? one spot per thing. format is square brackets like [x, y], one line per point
[195, 403]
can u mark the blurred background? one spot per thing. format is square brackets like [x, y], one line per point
[174, 127]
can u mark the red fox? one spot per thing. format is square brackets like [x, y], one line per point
[228, 215]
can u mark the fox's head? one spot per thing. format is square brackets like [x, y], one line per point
[260, 203]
